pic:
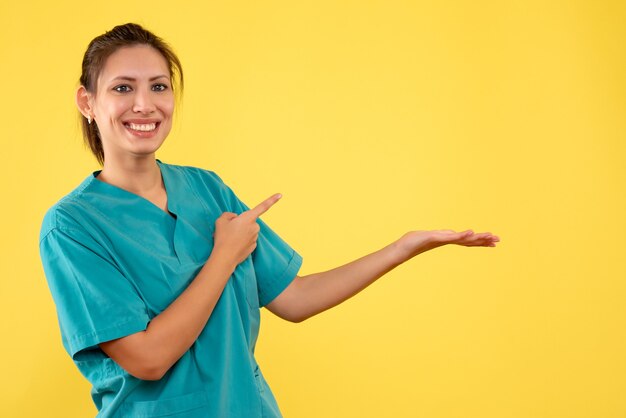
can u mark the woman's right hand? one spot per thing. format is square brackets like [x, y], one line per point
[236, 235]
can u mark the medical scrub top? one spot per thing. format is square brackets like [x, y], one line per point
[114, 260]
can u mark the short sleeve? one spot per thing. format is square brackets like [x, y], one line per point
[276, 264]
[94, 301]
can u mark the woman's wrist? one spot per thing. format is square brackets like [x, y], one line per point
[399, 252]
[223, 259]
[413, 243]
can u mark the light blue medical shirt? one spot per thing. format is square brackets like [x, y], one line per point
[114, 261]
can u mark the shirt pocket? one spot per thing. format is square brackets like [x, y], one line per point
[184, 406]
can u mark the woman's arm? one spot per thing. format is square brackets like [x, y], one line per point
[149, 354]
[309, 295]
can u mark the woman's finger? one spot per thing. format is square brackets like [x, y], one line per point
[264, 206]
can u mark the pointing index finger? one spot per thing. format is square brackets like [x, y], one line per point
[264, 206]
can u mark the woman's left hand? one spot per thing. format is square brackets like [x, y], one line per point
[417, 242]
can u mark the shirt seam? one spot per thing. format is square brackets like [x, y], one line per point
[71, 197]
[188, 181]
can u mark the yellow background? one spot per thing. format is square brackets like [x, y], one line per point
[372, 118]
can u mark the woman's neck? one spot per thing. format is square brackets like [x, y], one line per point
[139, 176]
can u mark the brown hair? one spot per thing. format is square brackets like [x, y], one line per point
[100, 48]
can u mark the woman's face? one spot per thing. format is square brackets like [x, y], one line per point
[134, 103]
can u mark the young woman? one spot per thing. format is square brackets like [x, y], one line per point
[158, 271]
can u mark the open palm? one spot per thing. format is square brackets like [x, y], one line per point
[416, 242]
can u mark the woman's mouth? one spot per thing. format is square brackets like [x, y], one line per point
[142, 130]
[141, 127]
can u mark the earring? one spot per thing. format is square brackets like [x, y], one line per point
[89, 119]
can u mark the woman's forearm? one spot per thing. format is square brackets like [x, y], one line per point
[315, 293]
[170, 334]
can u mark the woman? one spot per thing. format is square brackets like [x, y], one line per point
[158, 271]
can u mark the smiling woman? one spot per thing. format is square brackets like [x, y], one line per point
[106, 64]
[158, 271]
[133, 104]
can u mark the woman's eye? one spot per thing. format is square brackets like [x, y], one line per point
[159, 87]
[122, 89]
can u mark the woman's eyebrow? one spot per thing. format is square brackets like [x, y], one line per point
[127, 78]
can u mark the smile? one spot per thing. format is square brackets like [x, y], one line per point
[144, 128]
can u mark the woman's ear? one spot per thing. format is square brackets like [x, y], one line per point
[83, 101]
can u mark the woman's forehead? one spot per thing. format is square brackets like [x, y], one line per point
[135, 63]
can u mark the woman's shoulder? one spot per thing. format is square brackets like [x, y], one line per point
[62, 215]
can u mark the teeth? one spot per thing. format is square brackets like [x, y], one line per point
[145, 128]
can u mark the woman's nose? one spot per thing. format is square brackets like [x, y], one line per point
[143, 102]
